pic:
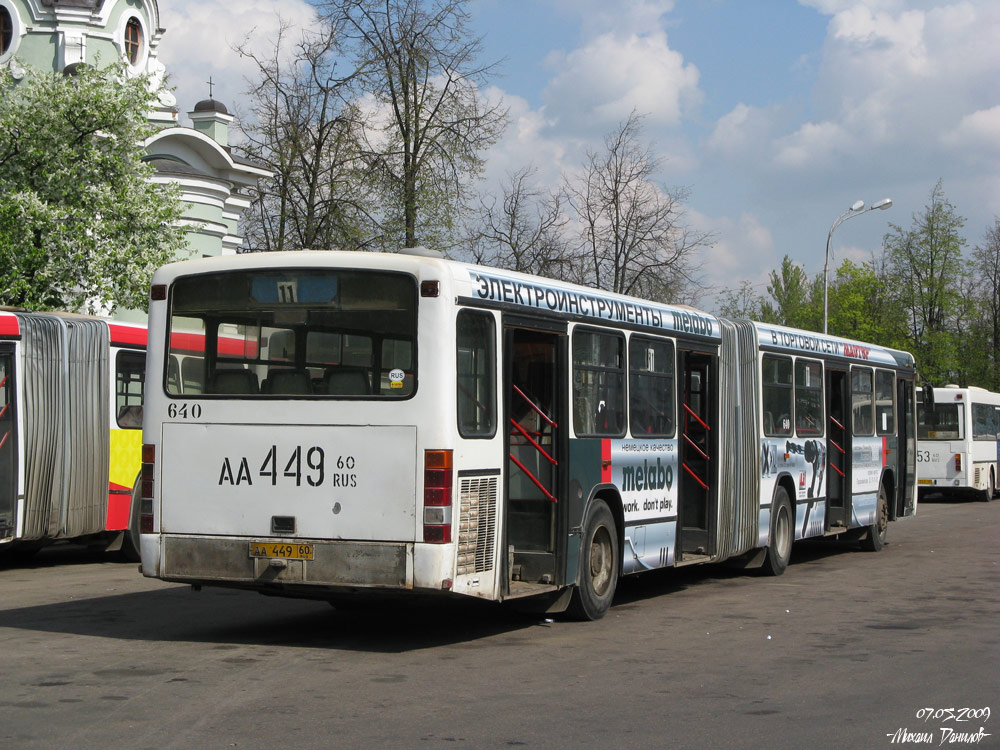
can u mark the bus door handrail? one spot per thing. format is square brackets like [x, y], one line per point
[700, 421]
[533, 442]
[694, 445]
[535, 407]
[533, 478]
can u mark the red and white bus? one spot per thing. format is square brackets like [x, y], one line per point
[329, 425]
[71, 391]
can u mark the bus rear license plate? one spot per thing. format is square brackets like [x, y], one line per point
[282, 550]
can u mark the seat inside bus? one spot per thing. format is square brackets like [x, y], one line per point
[234, 381]
[287, 382]
[346, 381]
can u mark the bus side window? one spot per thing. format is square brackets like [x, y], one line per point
[862, 402]
[809, 418]
[651, 387]
[885, 403]
[476, 389]
[598, 384]
[776, 385]
[130, 381]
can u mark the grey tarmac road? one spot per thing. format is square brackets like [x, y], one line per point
[843, 651]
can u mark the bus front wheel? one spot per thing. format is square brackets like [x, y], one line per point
[599, 564]
[874, 540]
[779, 549]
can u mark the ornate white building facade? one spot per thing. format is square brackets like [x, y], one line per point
[58, 34]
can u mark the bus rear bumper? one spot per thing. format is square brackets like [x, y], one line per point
[226, 561]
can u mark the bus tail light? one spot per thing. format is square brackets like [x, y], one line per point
[438, 484]
[958, 462]
[146, 489]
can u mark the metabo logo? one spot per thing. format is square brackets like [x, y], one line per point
[649, 476]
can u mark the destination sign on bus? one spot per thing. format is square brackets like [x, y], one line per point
[809, 343]
[574, 302]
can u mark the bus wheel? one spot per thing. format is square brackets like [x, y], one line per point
[779, 548]
[598, 565]
[874, 540]
[991, 489]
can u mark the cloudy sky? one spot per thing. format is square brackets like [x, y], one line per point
[777, 115]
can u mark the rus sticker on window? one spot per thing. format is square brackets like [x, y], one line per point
[396, 378]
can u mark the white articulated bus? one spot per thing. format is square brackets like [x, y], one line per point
[959, 441]
[402, 423]
[70, 416]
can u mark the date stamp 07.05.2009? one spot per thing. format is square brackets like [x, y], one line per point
[945, 726]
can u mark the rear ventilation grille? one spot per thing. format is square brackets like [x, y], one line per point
[477, 524]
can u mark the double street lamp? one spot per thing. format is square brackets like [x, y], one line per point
[856, 209]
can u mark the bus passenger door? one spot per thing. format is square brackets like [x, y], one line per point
[534, 411]
[697, 489]
[838, 449]
[8, 442]
[906, 454]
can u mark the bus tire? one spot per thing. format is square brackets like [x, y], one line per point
[991, 489]
[874, 539]
[779, 546]
[599, 564]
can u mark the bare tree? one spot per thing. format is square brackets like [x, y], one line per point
[633, 237]
[418, 61]
[522, 231]
[302, 126]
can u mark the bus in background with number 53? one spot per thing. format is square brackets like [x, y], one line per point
[959, 441]
[338, 425]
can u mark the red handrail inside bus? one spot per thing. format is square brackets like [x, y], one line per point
[531, 440]
[695, 476]
[695, 446]
[533, 478]
[836, 469]
[534, 406]
[700, 421]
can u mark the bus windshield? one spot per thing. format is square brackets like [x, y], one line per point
[943, 422]
[300, 333]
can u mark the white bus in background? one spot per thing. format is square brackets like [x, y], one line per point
[369, 423]
[959, 441]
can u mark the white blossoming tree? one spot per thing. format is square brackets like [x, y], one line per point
[82, 227]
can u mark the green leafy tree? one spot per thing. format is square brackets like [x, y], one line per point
[82, 226]
[924, 267]
[794, 300]
[861, 308]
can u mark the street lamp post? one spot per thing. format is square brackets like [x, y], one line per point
[856, 209]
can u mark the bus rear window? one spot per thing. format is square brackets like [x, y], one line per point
[943, 422]
[294, 333]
